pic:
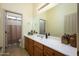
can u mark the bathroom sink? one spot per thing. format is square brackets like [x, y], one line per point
[41, 36]
[49, 40]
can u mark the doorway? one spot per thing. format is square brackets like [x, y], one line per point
[13, 28]
[42, 26]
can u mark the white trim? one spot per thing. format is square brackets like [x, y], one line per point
[3, 16]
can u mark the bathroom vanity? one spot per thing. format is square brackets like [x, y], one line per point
[38, 45]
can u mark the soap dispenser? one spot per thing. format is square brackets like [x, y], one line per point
[46, 35]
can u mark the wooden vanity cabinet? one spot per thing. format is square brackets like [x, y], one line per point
[26, 43]
[38, 49]
[30, 47]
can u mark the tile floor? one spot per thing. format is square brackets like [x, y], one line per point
[16, 51]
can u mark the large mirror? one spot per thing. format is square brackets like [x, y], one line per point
[59, 20]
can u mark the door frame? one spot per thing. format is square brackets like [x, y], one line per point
[4, 20]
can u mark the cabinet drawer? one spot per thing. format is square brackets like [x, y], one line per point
[48, 51]
[38, 45]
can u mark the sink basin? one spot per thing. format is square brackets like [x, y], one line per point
[50, 40]
[41, 36]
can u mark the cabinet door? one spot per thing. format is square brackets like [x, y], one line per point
[30, 47]
[48, 51]
[26, 43]
[38, 51]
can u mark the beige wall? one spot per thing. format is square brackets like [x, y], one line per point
[55, 18]
[26, 10]
[37, 16]
[35, 22]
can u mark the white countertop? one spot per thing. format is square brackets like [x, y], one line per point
[54, 43]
